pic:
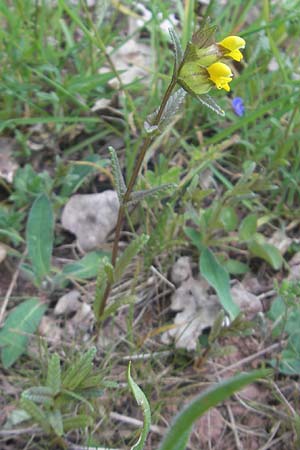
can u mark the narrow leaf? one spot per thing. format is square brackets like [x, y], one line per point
[201, 404]
[112, 307]
[79, 370]
[36, 413]
[117, 173]
[101, 284]
[130, 252]
[39, 394]
[218, 278]
[39, 236]
[138, 196]
[85, 268]
[20, 323]
[55, 420]
[172, 107]
[54, 374]
[210, 103]
[78, 173]
[178, 51]
[78, 397]
[77, 422]
[142, 401]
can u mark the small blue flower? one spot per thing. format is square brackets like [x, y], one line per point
[238, 106]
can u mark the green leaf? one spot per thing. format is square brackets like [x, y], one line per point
[267, 252]
[178, 51]
[79, 397]
[138, 196]
[39, 236]
[194, 236]
[228, 218]
[235, 267]
[201, 404]
[85, 268]
[172, 107]
[55, 420]
[77, 422]
[104, 269]
[218, 278]
[20, 323]
[79, 370]
[210, 103]
[112, 307]
[142, 401]
[54, 374]
[248, 227]
[129, 253]
[78, 174]
[36, 413]
[216, 327]
[39, 394]
[117, 173]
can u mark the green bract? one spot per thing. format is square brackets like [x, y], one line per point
[203, 56]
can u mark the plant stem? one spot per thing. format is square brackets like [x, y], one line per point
[129, 189]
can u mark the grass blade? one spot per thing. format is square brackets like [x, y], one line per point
[201, 404]
[143, 402]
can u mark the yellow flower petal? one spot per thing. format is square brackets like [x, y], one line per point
[231, 45]
[220, 74]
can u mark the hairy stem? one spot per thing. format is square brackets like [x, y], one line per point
[129, 190]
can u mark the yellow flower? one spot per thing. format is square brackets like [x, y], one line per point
[230, 47]
[220, 74]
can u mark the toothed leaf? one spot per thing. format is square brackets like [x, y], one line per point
[36, 413]
[209, 102]
[101, 284]
[54, 374]
[178, 51]
[79, 370]
[117, 173]
[39, 394]
[56, 422]
[114, 306]
[172, 107]
[138, 196]
[205, 36]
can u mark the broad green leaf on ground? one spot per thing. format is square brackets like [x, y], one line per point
[39, 236]
[248, 227]
[235, 267]
[267, 252]
[176, 437]
[218, 278]
[85, 268]
[229, 218]
[20, 323]
[143, 402]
